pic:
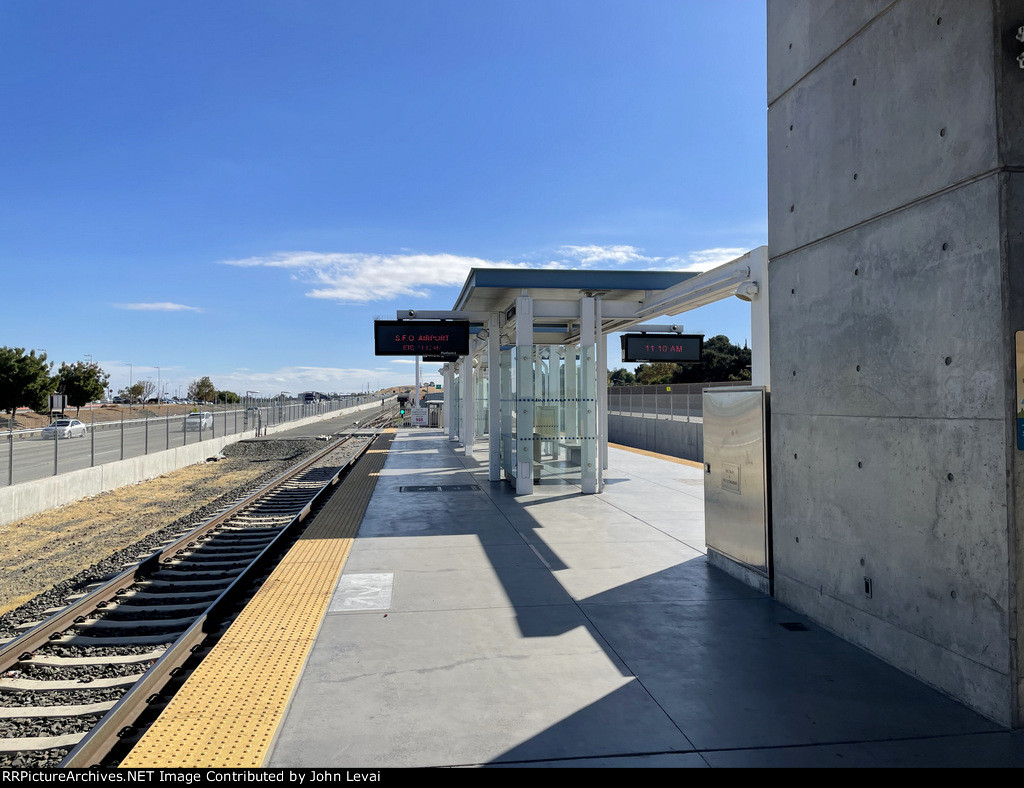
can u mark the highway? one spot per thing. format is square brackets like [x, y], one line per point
[35, 457]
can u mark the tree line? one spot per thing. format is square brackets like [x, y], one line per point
[722, 361]
[27, 380]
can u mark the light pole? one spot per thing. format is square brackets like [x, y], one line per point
[159, 391]
[130, 397]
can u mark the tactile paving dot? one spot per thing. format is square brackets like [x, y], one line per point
[227, 712]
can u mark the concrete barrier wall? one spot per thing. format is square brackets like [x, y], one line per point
[22, 500]
[683, 439]
[895, 205]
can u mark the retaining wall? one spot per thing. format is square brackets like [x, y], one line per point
[683, 439]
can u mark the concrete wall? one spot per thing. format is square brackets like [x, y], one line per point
[895, 250]
[22, 500]
[675, 438]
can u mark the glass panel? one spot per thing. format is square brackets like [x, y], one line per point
[523, 407]
[549, 412]
[561, 434]
[456, 403]
[588, 417]
[482, 407]
[508, 413]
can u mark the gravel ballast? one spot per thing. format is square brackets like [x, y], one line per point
[45, 555]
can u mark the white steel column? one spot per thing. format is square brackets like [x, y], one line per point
[468, 404]
[449, 399]
[760, 357]
[493, 399]
[590, 456]
[524, 395]
[416, 393]
[602, 395]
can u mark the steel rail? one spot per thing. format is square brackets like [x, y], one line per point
[109, 731]
[40, 635]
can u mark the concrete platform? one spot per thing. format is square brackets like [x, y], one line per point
[477, 628]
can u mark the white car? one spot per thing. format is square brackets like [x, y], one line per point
[199, 421]
[64, 428]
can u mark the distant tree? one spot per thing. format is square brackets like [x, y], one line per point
[82, 383]
[148, 390]
[202, 390]
[25, 380]
[134, 392]
[722, 361]
[621, 377]
[656, 373]
[229, 396]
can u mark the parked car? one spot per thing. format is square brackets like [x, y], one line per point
[199, 421]
[64, 428]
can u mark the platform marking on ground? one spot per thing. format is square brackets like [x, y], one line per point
[668, 457]
[363, 592]
[227, 713]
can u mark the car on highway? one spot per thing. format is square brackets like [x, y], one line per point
[64, 428]
[199, 421]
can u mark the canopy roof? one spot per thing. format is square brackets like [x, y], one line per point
[496, 289]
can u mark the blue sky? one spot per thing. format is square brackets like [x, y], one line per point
[236, 189]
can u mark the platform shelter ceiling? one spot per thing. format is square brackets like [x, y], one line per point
[496, 289]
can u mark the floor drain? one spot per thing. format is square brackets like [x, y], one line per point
[438, 488]
[794, 626]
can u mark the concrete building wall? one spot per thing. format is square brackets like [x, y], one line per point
[683, 439]
[895, 245]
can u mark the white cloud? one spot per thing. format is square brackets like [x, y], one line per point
[373, 277]
[360, 278]
[162, 306]
[296, 379]
[592, 255]
[704, 260]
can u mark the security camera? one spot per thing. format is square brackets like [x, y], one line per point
[411, 313]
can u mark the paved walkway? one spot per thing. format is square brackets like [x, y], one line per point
[475, 627]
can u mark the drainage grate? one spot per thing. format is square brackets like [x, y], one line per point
[794, 626]
[439, 488]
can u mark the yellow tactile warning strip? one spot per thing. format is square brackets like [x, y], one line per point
[679, 460]
[228, 711]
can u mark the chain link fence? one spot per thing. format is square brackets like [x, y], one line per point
[677, 401]
[47, 451]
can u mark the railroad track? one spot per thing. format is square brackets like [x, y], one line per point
[72, 686]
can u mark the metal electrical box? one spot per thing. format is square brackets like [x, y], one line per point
[736, 483]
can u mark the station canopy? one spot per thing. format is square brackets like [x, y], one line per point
[556, 295]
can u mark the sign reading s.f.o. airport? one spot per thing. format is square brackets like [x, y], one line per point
[680, 348]
[441, 339]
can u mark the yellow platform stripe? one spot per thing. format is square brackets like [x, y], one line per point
[227, 712]
[646, 453]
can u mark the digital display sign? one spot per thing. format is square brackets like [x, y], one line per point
[680, 348]
[439, 339]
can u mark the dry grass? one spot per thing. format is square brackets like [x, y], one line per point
[40, 551]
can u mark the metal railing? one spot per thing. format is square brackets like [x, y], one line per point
[677, 401]
[30, 454]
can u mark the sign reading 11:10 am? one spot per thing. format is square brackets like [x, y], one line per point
[679, 348]
[442, 339]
